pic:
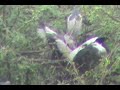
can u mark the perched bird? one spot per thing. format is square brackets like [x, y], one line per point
[74, 23]
[87, 55]
[45, 32]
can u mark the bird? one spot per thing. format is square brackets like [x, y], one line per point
[74, 23]
[50, 36]
[93, 50]
[86, 55]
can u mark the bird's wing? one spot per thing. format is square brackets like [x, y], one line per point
[49, 31]
[74, 52]
[82, 46]
[63, 47]
[88, 42]
[74, 25]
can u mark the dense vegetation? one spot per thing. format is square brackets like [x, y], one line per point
[24, 58]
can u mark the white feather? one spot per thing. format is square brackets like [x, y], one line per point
[74, 26]
[90, 41]
[49, 31]
[100, 48]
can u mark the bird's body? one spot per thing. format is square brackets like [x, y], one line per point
[74, 23]
[87, 55]
[87, 58]
[63, 48]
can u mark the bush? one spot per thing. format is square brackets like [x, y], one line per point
[24, 58]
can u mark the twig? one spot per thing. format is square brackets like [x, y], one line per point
[46, 61]
[42, 61]
[29, 52]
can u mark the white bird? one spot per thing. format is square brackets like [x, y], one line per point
[74, 23]
[95, 42]
[63, 47]
[70, 41]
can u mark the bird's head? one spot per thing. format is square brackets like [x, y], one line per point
[101, 40]
[101, 45]
[75, 15]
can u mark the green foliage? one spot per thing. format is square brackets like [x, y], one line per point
[19, 42]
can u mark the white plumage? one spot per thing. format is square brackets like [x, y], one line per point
[46, 33]
[49, 31]
[101, 49]
[74, 23]
[88, 42]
